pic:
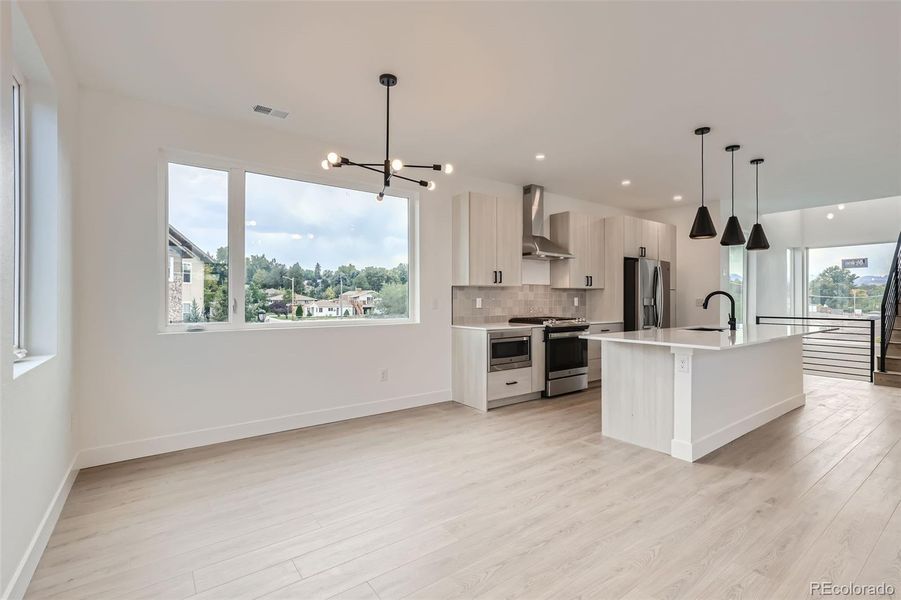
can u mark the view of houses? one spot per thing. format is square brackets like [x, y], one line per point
[274, 292]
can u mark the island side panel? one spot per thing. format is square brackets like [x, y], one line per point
[637, 394]
[736, 391]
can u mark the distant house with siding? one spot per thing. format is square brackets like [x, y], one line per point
[328, 308]
[361, 301]
[185, 269]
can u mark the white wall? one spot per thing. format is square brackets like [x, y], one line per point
[866, 222]
[139, 391]
[35, 406]
[697, 263]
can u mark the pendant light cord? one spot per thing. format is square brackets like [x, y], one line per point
[757, 193]
[702, 169]
[733, 183]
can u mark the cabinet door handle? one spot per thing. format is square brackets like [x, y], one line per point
[604, 330]
[512, 382]
[495, 277]
[502, 277]
[591, 281]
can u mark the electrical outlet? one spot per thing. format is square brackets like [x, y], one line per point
[478, 303]
[384, 375]
[575, 301]
[682, 363]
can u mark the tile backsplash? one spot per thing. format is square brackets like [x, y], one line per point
[499, 304]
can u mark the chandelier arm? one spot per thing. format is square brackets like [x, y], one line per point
[416, 181]
[353, 164]
[430, 167]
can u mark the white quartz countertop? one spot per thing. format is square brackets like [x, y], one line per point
[708, 340]
[500, 325]
[496, 326]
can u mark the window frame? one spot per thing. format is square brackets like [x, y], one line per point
[189, 272]
[20, 209]
[237, 171]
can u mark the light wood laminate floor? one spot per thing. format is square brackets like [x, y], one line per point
[527, 501]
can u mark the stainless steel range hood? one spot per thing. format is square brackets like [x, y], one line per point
[534, 245]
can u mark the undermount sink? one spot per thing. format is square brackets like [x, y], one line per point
[706, 328]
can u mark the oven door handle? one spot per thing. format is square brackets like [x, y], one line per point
[497, 340]
[565, 334]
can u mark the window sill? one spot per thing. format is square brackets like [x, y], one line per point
[297, 325]
[29, 363]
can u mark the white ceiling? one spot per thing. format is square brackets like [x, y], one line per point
[607, 91]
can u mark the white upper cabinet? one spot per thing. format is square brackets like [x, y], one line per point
[487, 240]
[582, 236]
[629, 236]
[640, 237]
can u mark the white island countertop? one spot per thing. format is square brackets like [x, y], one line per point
[683, 337]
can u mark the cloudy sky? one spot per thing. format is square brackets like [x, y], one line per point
[879, 255]
[291, 221]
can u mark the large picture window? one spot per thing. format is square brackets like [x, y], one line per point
[322, 252]
[298, 252]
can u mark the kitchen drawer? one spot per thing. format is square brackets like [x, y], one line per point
[504, 384]
[594, 347]
[594, 369]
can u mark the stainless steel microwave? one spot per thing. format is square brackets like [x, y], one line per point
[509, 349]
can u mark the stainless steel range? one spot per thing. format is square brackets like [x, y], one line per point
[565, 355]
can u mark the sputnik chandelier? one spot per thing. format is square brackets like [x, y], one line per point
[390, 167]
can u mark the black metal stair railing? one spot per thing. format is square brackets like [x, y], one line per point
[890, 304]
[847, 353]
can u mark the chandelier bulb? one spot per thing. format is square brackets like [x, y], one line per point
[326, 165]
[448, 168]
[431, 186]
[397, 164]
[380, 197]
[333, 158]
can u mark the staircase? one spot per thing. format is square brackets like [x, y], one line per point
[889, 372]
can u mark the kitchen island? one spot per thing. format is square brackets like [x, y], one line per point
[687, 392]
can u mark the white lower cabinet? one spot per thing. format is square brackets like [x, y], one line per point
[505, 384]
[474, 385]
[594, 348]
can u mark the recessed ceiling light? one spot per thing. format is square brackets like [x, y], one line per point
[626, 182]
[539, 156]
[841, 207]
[830, 216]
[677, 198]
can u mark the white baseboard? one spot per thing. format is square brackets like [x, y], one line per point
[102, 455]
[692, 451]
[23, 573]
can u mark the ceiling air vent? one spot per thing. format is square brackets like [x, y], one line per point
[272, 112]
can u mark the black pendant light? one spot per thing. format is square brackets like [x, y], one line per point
[733, 235]
[757, 240]
[389, 167]
[703, 227]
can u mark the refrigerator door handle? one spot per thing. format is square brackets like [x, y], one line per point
[658, 284]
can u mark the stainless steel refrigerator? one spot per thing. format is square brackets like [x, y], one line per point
[646, 293]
